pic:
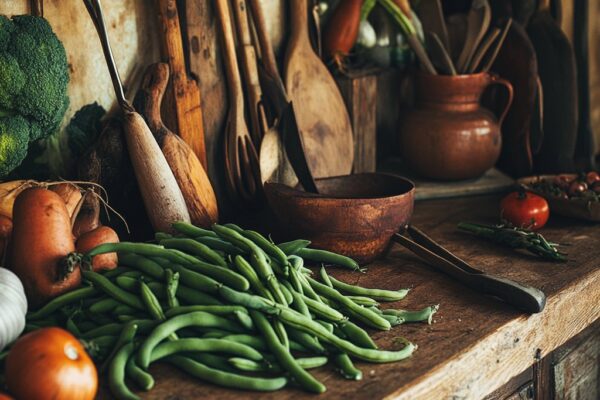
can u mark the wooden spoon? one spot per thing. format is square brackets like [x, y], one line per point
[161, 195]
[482, 49]
[478, 22]
[189, 173]
[431, 15]
[321, 113]
[185, 92]
[242, 170]
[438, 53]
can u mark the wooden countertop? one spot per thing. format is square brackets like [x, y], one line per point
[476, 344]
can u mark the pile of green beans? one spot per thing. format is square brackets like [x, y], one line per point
[227, 306]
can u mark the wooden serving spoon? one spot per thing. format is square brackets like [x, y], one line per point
[478, 22]
[439, 55]
[242, 170]
[189, 173]
[321, 113]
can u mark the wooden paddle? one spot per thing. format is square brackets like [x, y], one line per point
[321, 114]
[478, 22]
[184, 90]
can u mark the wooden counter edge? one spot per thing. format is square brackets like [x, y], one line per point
[510, 350]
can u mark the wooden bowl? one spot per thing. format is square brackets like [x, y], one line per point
[355, 215]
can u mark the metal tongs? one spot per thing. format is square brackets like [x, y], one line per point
[526, 298]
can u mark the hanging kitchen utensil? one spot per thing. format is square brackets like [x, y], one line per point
[516, 61]
[526, 298]
[585, 150]
[439, 56]
[431, 14]
[242, 170]
[161, 195]
[284, 142]
[189, 173]
[556, 66]
[250, 73]
[486, 43]
[478, 22]
[457, 34]
[496, 47]
[36, 7]
[184, 91]
[320, 111]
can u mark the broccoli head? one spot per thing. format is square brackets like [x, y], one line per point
[33, 83]
[13, 143]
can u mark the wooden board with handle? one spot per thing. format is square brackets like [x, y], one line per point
[320, 110]
[185, 93]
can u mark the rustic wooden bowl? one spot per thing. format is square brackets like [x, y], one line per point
[355, 215]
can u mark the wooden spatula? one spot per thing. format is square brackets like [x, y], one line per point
[184, 90]
[321, 114]
[478, 22]
[431, 15]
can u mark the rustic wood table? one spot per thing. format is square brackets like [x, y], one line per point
[476, 344]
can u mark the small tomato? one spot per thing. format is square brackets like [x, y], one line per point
[50, 363]
[591, 178]
[525, 210]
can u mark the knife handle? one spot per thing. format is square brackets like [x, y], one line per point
[526, 298]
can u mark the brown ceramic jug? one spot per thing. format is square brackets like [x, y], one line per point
[448, 135]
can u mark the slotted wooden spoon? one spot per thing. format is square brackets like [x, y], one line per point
[321, 114]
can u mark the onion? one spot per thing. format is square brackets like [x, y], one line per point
[13, 307]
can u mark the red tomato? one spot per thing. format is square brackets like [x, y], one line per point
[525, 210]
[591, 178]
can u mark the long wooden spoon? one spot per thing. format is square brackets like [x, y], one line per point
[321, 114]
[189, 173]
[478, 22]
[439, 56]
[161, 195]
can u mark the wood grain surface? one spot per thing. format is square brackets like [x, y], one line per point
[476, 344]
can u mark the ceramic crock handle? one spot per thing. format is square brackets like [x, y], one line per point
[496, 80]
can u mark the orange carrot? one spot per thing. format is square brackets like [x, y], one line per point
[95, 238]
[341, 31]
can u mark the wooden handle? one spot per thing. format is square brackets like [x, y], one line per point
[299, 15]
[230, 57]
[185, 91]
[249, 69]
[526, 298]
[37, 7]
[149, 97]
[266, 47]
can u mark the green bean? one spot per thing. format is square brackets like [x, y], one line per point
[326, 325]
[123, 309]
[226, 379]
[364, 301]
[248, 300]
[346, 367]
[212, 309]
[287, 294]
[192, 345]
[323, 310]
[61, 301]
[248, 272]
[72, 327]
[213, 361]
[267, 246]
[193, 247]
[265, 271]
[221, 274]
[424, 315]
[116, 374]
[113, 273]
[131, 274]
[215, 334]
[375, 294]
[127, 317]
[126, 336]
[393, 319]
[198, 318]
[234, 227]
[111, 289]
[191, 230]
[104, 330]
[365, 315]
[172, 283]
[246, 365]
[151, 302]
[105, 305]
[142, 249]
[141, 378]
[258, 342]
[158, 236]
[295, 281]
[192, 279]
[283, 356]
[281, 333]
[325, 277]
[218, 244]
[327, 257]
[298, 302]
[298, 321]
[85, 326]
[244, 319]
[143, 264]
[192, 296]
[308, 289]
[293, 247]
[357, 335]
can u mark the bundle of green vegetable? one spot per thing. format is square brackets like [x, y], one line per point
[33, 86]
[227, 306]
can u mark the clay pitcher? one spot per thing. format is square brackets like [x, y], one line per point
[449, 135]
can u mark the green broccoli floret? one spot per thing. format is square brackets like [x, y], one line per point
[13, 143]
[33, 82]
[84, 128]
